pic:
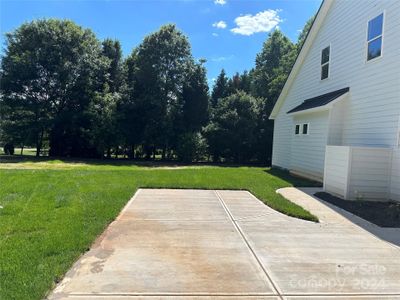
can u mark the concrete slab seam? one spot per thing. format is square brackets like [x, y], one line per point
[275, 287]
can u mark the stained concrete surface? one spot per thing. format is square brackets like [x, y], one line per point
[198, 244]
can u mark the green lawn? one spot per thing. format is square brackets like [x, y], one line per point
[17, 151]
[52, 211]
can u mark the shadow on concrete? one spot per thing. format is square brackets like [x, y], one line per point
[391, 235]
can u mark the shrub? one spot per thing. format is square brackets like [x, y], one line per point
[191, 147]
[9, 149]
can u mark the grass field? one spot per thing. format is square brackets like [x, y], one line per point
[51, 210]
[25, 152]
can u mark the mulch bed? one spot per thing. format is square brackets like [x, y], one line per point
[383, 214]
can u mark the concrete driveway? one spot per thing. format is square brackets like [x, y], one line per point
[198, 244]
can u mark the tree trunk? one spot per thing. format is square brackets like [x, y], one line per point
[22, 150]
[133, 151]
[169, 154]
[39, 143]
[164, 150]
[109, 152]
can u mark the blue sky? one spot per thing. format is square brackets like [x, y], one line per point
[228, 33]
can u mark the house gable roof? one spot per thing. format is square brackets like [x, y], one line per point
[319, 101]
[316, 25]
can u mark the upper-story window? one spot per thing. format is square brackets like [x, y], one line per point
[325, 59]
[374, 38]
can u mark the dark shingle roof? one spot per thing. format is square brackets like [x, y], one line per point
[318, 101]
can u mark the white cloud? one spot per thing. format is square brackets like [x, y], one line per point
[220, 24]
[222, 58]
[220, 2]
[263, 21]
[214, 34]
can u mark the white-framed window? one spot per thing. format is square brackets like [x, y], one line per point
[302, 129]
[375, 37]
[297, 129]
[306, 128]
[325, 61]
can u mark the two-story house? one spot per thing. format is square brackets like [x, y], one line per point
[337, 118]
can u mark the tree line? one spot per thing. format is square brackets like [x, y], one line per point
[64, 90]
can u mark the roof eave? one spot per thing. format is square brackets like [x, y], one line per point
[321, 14]
[320, 108]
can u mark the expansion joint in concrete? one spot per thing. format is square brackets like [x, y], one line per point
[237, 227]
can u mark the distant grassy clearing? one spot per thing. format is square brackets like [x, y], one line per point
[26, 151]
[53, 212]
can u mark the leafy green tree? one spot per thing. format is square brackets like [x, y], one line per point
[18, 125]
[239, 82]
[273, 65]
[303, 34]
[51, 70]
[159, 63]
[231, 132]
[103, 109]
[268, 63]
[220, 88]
[112, 50]
[104, 129]
[191, 147]
[193, 116]
[245, 81]
[195, 98]
[130, 114]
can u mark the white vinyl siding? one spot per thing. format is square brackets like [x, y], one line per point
[336, 117]
[337, 159]
[363, 173]
[369, 173]
[395, 176]
[283, 128]
[372, 108]
[308, 150]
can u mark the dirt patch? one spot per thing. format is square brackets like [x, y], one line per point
[383, 214]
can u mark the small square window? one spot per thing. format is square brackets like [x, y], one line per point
[297, 130]
[305, 128]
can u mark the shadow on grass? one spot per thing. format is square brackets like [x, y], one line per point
[119, 162]
[295, 181]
